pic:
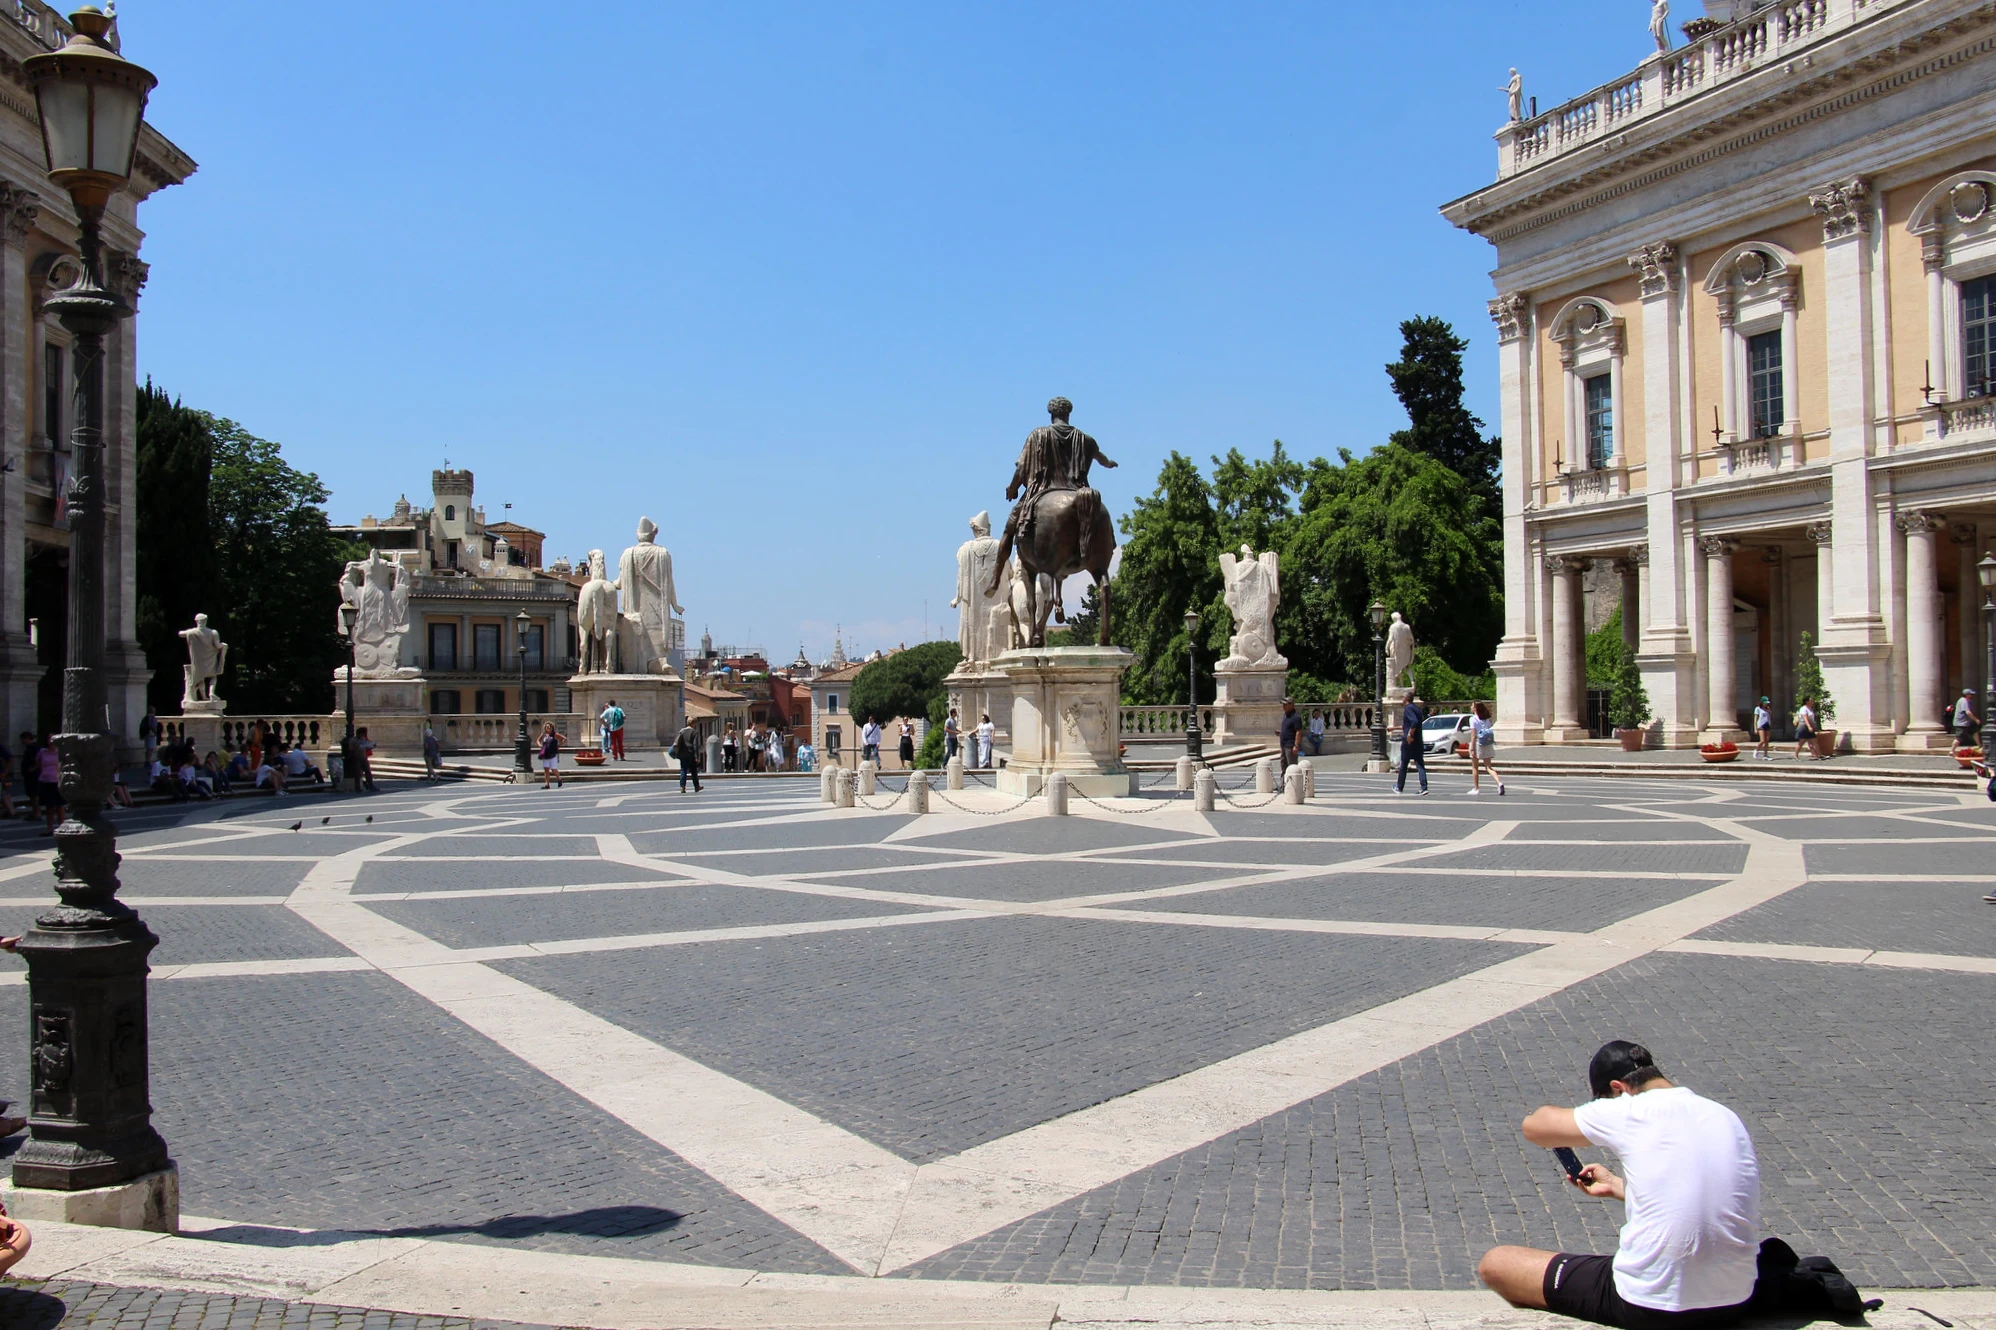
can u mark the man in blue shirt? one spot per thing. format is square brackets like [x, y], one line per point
[1412, 747]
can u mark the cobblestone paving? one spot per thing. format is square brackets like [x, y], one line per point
[65, 1305]
[1101, 956]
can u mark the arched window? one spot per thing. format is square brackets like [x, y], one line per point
[1758, 289]
[450, 512]
[1592, 344]
[1956, 224]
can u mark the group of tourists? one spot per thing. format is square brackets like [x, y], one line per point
[39, 768]
[762, 748]
[1482, 745]
[975, 747]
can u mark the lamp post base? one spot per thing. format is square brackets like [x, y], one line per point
[150, 1203]
[1378, 766]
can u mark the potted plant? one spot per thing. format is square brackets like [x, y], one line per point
[1809, 684]
[1628, 702]
[1720, 752]
[589, 757]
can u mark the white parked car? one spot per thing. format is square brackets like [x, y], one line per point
[1440, 735]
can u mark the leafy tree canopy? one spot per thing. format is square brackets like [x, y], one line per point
[1428, 381]
[1170, 563]
[907, 683]
[176, 552]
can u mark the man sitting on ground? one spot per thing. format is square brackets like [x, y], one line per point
[298, 766]
[1690, 1244]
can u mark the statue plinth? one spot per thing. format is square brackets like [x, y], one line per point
[214, 706]
[654, 707]
[977, 688]
[392, 704]
[1065, 702]
[1247, 700]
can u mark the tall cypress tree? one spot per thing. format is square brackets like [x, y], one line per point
[1170, 563]
[176, 550]
[1428, 381]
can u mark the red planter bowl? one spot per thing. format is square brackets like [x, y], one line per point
[1725, 752]
[588, 757]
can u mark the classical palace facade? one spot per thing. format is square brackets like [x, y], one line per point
[38, 235]
[1746, 307]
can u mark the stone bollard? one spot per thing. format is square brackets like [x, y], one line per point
[1185, 769]
[828, 785]
[1264, 776]
[916, 801]
[1309, 780]
[953, 773]
[847, 780]
[867, 777]
[713, 753]
[1057, 795]
[1203, 789]
[1292, 787]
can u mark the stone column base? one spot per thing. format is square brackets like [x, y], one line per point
[151, 1203]
[1721, 734]
[1925, 741]
[1248, 702]
[1065, 704]
[651, 705]
[1565, 734]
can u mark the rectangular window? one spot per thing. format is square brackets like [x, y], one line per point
[832, 740]
[832, 702]
[485, 645]
[537, 700]
[445, 702]
[1764, 384]
[1600, 420]
[1978, 332]
[443, 646]
[52, 396]
[533, 650]
[491, 702]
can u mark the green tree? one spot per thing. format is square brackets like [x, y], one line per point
[1170, 563]
[1628, 700]
[1604, 651]
[1253, 499]
[176, 549]
[1437, 681]
[907, 683]
[1809, 681]
[1428, 381]
[277, 572]
[1399, 526]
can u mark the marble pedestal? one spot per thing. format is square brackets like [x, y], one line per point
[653, 706]
[392, 708]
[1065, 701]
[976, 689]
[1248, 701]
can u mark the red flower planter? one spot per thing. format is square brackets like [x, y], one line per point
[1725, 752]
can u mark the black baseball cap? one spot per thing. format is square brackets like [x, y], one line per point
[1616, 1060]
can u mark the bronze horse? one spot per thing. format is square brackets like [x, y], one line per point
[1067, 531]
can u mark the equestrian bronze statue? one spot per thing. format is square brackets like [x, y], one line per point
[1058, 525]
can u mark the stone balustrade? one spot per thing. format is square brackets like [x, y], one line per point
[1159, 722]
[214, 733]
[495, 733]
[1769, 37]
[1594, 485]
[1969, 421]
[43, 22]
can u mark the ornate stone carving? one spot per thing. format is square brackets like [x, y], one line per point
[126, 273]
[207, 655]
[1819, 533]
[18, 211]
[1509, 313]
[378, 589]
[1399, 651]
[1962, 533]
[1253, 585]
[1636, 556]
[1918, 520]
[1658, 266]
[1933, 251]
[1717, 547]
[1844, 206]
[54, 1061]
[1770, 554]
[1562, 564]
[1969, 201]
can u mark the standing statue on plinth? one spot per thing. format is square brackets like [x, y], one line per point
[644, 575]
[1253, 589]
[1515, 92]
[1059, 525]
[1399, 652]
[207, 654]
[596, 616]
[976, 579]
[378, 589]
[1659, 25]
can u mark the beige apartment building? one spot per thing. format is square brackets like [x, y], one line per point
[1746, 308]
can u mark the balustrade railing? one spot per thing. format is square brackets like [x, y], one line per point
[1159, 722]
[1951, 420]
[234, 731]
[462, 733]
[1706, 63]
[43, 22]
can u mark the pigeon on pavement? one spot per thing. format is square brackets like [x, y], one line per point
[297, 826]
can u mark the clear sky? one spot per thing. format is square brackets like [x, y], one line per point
[796, 279]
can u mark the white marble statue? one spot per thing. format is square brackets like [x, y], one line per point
[378, 589]
[596, 617]
[644, 576]
[1515, 89]
[1011, 612]
[1659, 25]
[1253, 589]
[976, 566]
[1399, 652]
[207, 654]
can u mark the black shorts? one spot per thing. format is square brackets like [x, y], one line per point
[1583, 1287]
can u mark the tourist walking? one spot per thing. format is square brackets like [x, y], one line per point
[433, 756]
[772, 752]
[363, 757]
[1482, 748]
[1805, 726]
[987, 734]
[1967, 725]
[686, 748]
[869, 742]
[149, 734]
[550, 751]
[48, 778]
[952, 732]
[754, 745]
[1763, 732]
[731, 748]
[908, 744]
[612, 721]
[1291, 733]
[1412, 749]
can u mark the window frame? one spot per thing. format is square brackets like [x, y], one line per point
[1986, 325]
[1597, 397]
[1758, 427]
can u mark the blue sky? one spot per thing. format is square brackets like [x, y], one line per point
[795, 280]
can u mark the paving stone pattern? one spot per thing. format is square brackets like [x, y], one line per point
[67, 1305]
[1894, 916]
[1507, 901]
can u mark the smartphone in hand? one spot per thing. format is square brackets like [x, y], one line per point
[1568, 1161]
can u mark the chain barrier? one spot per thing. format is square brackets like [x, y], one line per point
[980, 812]
[1281, 783]
[861, 801]
[1155, 805]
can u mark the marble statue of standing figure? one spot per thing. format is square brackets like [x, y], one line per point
[1515, 89]
[1253, 590]
[378, 589]
[1659, 25]
[644, 575]
[976, 570]
[596, 616]
[207, 654]
[1399, 652]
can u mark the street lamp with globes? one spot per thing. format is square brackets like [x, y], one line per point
[1378, 615]
[1194, 737]
[522, 770]
[1985, 572]
[90, 1115]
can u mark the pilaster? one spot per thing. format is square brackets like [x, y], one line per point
[1518, 664]
[127, 674]
[20, 671]
[1664, 652]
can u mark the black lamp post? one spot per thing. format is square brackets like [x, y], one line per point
[522, 772]
[1985, 573]
[1194, 737]
[1378, 613]
[349, 613]
[90, 1115]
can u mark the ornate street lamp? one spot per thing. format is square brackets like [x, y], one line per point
[522, 771]
[90, 1115]
[1194, 737]
[1378, 613]
[349, 614]
[1985, 572]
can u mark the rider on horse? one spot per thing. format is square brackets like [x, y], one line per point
[1056, 457]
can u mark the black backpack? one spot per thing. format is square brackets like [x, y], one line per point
[1807, 1286]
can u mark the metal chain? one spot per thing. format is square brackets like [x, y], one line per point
[862, 801]
[1155, 806]
[980, 812]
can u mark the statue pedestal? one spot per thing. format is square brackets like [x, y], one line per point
[392, 708]
[654, 707]
[1065, 701]
[1248, 702]
[977, 689]
[216, 707]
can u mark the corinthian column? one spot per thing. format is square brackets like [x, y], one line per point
[1721, 706]
[1923, 653]
[1569, 670]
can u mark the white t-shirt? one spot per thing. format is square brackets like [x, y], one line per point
[1761, 720]
[295, 762]
[1691, 1238]
[985, 731]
